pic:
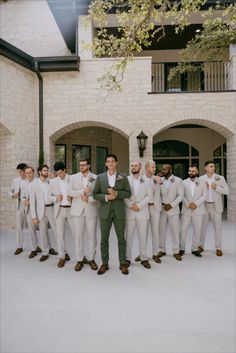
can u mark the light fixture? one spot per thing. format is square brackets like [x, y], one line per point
[142, 142]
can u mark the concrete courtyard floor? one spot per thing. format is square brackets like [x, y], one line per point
[174, 307]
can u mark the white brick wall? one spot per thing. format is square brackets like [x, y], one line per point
[30, 26]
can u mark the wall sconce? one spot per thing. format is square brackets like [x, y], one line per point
[142, 142]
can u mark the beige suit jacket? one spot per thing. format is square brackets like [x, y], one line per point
[142, 199]
[37, 202]
[76, 190]
[156, 190]
[16, 187]
[173, 194]
[53, 191]
[25, 192]
[221, 189]
[198, 198]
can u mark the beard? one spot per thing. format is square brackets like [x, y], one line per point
[135, 172]
[192, 176]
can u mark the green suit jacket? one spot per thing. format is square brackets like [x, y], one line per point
[123, 192]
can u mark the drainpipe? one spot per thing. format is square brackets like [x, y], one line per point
[40, 78]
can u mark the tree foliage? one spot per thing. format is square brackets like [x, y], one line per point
[140, 21]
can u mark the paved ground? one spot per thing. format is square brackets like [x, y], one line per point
[175, 307]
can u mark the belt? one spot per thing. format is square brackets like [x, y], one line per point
[49, 205]
[151, 204]
[163, 204]
[65, 206]
[210, 202]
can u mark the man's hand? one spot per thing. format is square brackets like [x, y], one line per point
[87, 190]
[69, 198]
[15, 195]
[26, 202]
[192, 205]
[111, 191]
[59, 198]
[135, 207]
[111, 197]
[167, 206]
[84, 198]
[35, 221]
[213, 186]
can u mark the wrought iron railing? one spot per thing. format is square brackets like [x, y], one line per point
[209, 77]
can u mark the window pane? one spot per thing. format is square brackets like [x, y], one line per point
[194, 152]
[60, 153]
[217, 152]
[195, 162]
[175, 84]
[170, 149]
[218, 165]
[224, 150]
[102, 152]
[79, 152]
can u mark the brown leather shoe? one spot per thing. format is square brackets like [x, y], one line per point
[93, 265]
[79, 266]
[43, 258]
[32, 254]
[219, 252]
[61, 263]
[124, 269]
[178, 257]
[137, 259]
[103, 269]
[38, 249]
[146, 264]
[156, 259]
[181, 252]
[161, 253]
[200, 249]
[53, 252]
[85, 260]
[127, 263]
[67, 257]
[18, 251]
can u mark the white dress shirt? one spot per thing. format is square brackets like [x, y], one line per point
[150, 179]
[44, 186]
[209, 181]
[64, 191]
[192, 185]
[111, 179]
[136, 184]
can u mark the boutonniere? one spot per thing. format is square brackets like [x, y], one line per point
[197, 182]
[172, 180]
[91, 179]
[119, 177]
[142, 180]
[217, 178]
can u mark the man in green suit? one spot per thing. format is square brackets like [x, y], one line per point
[111, 188]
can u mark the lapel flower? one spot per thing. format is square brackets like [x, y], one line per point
[141, 180]
[217, 178]
[197, 182]
[119, 177]
[91, 179]
[172, 180]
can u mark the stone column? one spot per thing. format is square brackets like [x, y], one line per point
[232, 67]
[85, 37]
[231, 178]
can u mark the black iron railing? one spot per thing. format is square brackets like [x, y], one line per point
[209, 77]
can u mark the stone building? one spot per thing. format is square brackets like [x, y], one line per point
[51, 102]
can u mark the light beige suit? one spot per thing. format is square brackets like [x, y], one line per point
[155, 208]
[20, 214]
[172, 194]
[61, 215]
[25, 195]
[43, 213]
[84, 215]
[214, 210]
[192, 216]
[139, 219]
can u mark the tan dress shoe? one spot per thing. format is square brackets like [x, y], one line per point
[61, 263]
[161, 253]
[43, 258]
[85, 260]
[32, 254]
[219, 252]
[79, 266]
[178, 257]
[93, 265]
[53, 252]
[124, 269]
[137, 259]
[103, 269]
[18, 251]
[200, 249]
[156, 259]
[146, 264]
[67, 257]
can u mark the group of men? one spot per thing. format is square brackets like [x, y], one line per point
[132, 204]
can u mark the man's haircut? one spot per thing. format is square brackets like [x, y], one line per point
[59, 166]
[193, 166]
[21, 166]
[28, 167]
[111, 156]
[148, 163]
[85, 160]
[40, 168]
[208, 162]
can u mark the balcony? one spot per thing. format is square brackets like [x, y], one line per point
[213, 78]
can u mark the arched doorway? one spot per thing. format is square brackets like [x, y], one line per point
[186, 144]
[93, 142]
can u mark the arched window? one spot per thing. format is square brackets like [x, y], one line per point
[177, 153]
[219, 157]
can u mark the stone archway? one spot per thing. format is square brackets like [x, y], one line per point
[93, 140]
